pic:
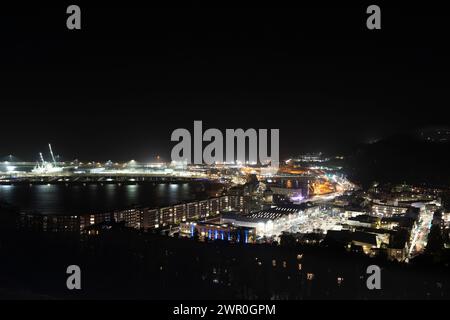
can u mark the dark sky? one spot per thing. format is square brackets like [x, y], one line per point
[117, 88]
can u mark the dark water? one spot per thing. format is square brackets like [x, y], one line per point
[79, 199]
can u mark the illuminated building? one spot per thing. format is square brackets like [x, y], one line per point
[192, 210]
[364, 221]
[293, 187]
[131, 217]
[90, 219]
[179, 212]
[166, 216]
[266, 222]
[49, 223]
[136, 218]
[204, 209]
[399, 246]
[236, 202]
[150, 218]
[214, 206]
[214, 231]
[386, 210]
[224, 203]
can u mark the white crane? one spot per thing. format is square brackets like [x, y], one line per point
[42, 158]
[46, 167]
[51, 153]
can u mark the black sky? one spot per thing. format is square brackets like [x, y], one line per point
[117, 88]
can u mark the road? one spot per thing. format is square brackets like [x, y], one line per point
[420, 233]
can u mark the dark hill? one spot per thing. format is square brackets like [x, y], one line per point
[401, 158]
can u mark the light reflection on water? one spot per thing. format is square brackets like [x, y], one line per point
[78, 199]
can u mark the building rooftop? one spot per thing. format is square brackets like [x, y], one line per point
[268, 214]
[365, 218]
[278, 212]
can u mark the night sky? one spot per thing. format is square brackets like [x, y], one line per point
[118, 87]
